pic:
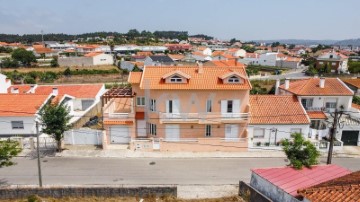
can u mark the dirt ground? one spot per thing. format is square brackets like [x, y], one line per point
[128, 199]
[57, 69]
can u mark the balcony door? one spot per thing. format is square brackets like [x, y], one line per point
[173, 106]
[231, 131]
[230, 108]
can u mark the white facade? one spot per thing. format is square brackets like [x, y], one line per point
[103, 59]
[240, 53]
[7, 130]
[268, 59]
[273, 134]
[4, 84]
[207, 51]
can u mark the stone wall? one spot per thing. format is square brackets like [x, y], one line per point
[60, 192]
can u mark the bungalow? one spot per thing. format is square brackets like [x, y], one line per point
[158, 60]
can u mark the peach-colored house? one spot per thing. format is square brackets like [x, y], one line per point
[173, 108]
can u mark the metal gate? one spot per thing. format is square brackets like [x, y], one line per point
[83, 136]
[350, 137]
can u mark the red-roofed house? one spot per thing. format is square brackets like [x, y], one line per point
[334, 61]
[274, 118]
[181, 108]
[282, 184]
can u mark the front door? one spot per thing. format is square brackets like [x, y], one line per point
[350, 137]
[172, 132]
[141, 128]
[231, 131]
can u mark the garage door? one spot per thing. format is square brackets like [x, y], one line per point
[172, 132]
[350, 137]
[119, 134]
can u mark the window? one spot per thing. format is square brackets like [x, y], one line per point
[229, 106]
[330, 105]
[176, 79]
[331, 56]
[152, 105]
[140, 101]
[259, 132]
[208, 131]
[170, 106]
[208, 106]
[307, 103]
[233, 79]
[17, 124]
[152, 129]
[295, 130]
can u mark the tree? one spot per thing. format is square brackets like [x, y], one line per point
[23, 56]
[136, 69]
[55, 119]
[300, 152]
[8, 150]
[67, 72]
[54, 62]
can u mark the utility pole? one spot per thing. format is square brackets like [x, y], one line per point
[38, 154]
[332, 134]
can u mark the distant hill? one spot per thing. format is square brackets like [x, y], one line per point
[353, 42]
[299, 41]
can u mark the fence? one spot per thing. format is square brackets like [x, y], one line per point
[83, 136]
[45, 143]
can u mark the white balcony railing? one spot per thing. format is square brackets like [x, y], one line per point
[210, 116]
[117, 115]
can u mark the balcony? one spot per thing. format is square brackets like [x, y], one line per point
[203, 118]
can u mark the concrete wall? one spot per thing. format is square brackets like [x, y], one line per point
[61, 192]
[76, 61]
[103, 59]
[6, 128]
[248, 193]
[271, 191]
[287, 64]
[283, 132]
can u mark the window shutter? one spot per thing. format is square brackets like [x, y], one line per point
[176, 106]
[236, 106]
[223, 106]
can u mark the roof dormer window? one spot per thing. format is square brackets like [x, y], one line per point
[176, 79]
[233, 79]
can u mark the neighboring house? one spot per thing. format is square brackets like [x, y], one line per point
[173, 108]
[89, 59]
[320, 97]
[178, 47]
[236, 52]
[18, 113]
[87, 48]
[336, 62]
[250, 59]
[286, 184]
[129, 65]
[353, 84]
[340, 189]
[40, 50]
[158, 60]
[99, 58]
[274, 118]
[4, 84]
[204, 50]
[289, 62]
[269, 59]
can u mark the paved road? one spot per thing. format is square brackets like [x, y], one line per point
[112, 171]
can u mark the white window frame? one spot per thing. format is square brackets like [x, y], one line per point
[208, 130]
[332, 105]
[152, 105]
[308, 102]
[17, 125]
[152, 129]
[234, 79]
[176, 79]
[262, 131]
[140, 101]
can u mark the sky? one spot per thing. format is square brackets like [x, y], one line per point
[223, 19]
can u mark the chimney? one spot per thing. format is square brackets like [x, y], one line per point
[14, 90]
[201, 68]
[32, 89]
[277, 85]
[55, 91]
[322, 82]
[287, 83]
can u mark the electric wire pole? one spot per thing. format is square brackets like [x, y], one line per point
[38, 154]
[332, 134]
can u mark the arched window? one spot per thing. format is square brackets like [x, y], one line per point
[233, 79]
[176, 79]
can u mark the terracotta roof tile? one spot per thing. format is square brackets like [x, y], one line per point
[117, 122]
[22, 88]
[275, 109]
[316, 115]
[208, 80]
[344, 188]
[21, 104]
[353, 82]
[223, 63]
[290, 180]
[333, 86]
[78, 91]
[93, 54]
[135, 77]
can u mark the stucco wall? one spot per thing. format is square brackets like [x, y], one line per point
[103, 59]
[6, 128]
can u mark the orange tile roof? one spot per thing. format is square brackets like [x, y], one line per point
[353, 82]
[198, 53]
[143, 53]
[293, 59]
[224, 63]
[217, 53]
[77, 90]
[41, 49]
[176, 56]
[316, 115]
[93, 54]
[276, 109]
[135, 77]
[22, 88]
[117, 122]
[21, 104]
[208, 80]
[345, 188]
[356, 106]
[333, 86]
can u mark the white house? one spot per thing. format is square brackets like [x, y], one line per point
[205, 50]
[100, 58]
[274, 118]
[4, 84]
[320, 97]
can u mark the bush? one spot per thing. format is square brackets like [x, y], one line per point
[33, 198]
[267, 144]
[9, 63]
[54, 62]
[29, 80]
[48, 77]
